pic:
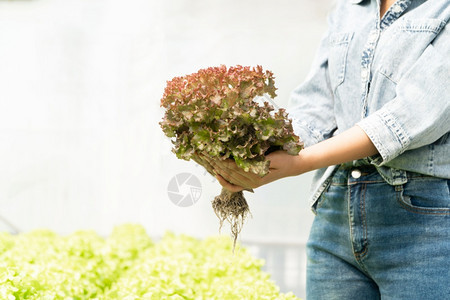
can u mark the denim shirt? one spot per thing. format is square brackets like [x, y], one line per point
[391, 77]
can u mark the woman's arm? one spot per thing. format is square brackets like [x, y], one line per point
[350, 145]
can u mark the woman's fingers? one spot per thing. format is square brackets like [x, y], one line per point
[230, 174]
[229, 171]
[229, 186]
[234, 178]
[201, 161]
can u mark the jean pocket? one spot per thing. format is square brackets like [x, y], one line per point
[425, 195]
[337, 57]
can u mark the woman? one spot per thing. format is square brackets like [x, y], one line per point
[374, 114]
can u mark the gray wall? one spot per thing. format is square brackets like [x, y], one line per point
[80, 84]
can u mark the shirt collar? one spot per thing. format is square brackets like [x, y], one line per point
[356, 1]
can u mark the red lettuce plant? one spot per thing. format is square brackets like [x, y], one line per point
[214, 113]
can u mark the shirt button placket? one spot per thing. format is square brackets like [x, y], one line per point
[368, 55]
[366, 65]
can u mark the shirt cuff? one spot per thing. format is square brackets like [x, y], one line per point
[387, 135]
[305, 133]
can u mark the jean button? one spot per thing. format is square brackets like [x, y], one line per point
[356, 174]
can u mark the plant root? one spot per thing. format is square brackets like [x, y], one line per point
[233, 208]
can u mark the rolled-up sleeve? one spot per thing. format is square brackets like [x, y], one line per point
[420, 113]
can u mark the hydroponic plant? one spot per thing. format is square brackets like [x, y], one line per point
[215, 113]
[128, 265]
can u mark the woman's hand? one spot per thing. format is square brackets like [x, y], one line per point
[235, 179]
[349, 145]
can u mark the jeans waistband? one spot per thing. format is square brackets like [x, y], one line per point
[362, 170]
[361, 165]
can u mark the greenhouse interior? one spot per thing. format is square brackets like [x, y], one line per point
[93, 202]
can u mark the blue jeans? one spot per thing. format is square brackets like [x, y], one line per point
[371, 240]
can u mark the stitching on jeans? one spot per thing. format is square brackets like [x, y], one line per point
[422, 210]
[425, 211]
[362, 207]
[338, 184]
[417, 177]
[363, 213]
[349, 198]
[356, 255]
[367, 181]
[356, 182]
[360, 255]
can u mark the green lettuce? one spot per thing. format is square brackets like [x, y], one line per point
[128, 265]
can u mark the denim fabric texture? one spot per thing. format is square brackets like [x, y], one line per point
[372, 240]
[382, 225]
[389, 76]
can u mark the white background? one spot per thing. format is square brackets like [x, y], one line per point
[80, 85]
